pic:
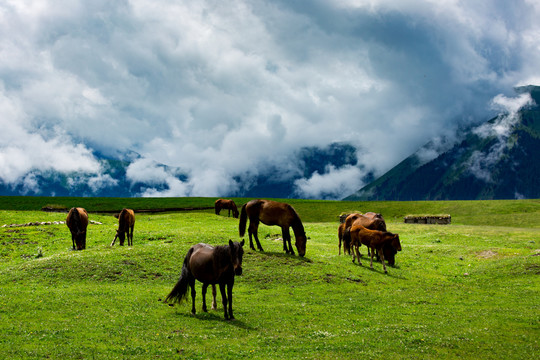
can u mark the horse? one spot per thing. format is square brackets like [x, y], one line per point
[369, 220]
[226, 204]
[126, 223]
[77, 222]
[210, 265]
[273, 213]
[374, 240]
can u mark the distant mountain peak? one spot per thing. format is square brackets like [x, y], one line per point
[496, 160]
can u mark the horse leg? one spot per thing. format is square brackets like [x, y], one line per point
[229, 296]
[73, 240]
[214, 303]
[224, 299]
[381, 255]
[253, 230]
[371, 257]
[287, 240]
[130, 236]
[192, 285]
[203, 292]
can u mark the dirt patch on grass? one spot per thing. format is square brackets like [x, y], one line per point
[486, 254]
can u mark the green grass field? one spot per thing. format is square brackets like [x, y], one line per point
[466, 290]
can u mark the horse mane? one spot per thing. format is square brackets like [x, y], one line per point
[122, 218]
[222, 255]
[296, 224]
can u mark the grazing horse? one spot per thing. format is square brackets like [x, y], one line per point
[126, 223]
[77, 221]
[210, 265]
[226, 204]
[374, 240]
[273, 213]
[369, 220]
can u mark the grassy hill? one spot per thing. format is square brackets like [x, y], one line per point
[465, 290]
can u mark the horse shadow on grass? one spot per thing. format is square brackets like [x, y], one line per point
[380, 270]
[282, 255]
[216, 315]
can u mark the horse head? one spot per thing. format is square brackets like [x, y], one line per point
[236, 252]
[396, 243]
[120, 235]
[301, 240]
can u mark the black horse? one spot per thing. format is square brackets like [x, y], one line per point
[210, 265]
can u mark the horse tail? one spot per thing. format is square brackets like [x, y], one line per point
[347, 241]
[179, 291]
[243, 221]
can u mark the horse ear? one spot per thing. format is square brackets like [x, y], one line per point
[231, 243]
[242, 242]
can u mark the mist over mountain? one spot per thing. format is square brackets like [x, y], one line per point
[496, 160]
[129, 175]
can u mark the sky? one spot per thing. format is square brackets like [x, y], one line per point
[226, 90]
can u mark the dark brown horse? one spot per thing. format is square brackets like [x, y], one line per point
[273, 213]
[210, 265]
[77, 222]
[126, 223]
[228, 205]
[375, 240]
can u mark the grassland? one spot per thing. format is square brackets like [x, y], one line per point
[465, 290]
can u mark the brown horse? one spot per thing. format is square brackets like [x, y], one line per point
[126, 223]
[210, 265]
[369, 220]
[273, 213]
[77, 222]
[226, 204]
[374, 240]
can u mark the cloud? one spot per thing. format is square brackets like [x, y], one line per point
[333, 184]
[508, 116]
[224, 90]
[23, 151]
[480, 163]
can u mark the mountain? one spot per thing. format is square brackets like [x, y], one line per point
[497, 160]
[118, 176]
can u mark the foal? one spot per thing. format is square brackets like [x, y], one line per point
[375, 240]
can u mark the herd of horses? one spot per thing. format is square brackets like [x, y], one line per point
[218, 265]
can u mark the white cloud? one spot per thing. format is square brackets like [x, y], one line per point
[224, 89]
[480, 164]
[22, 151]
[333, 184]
